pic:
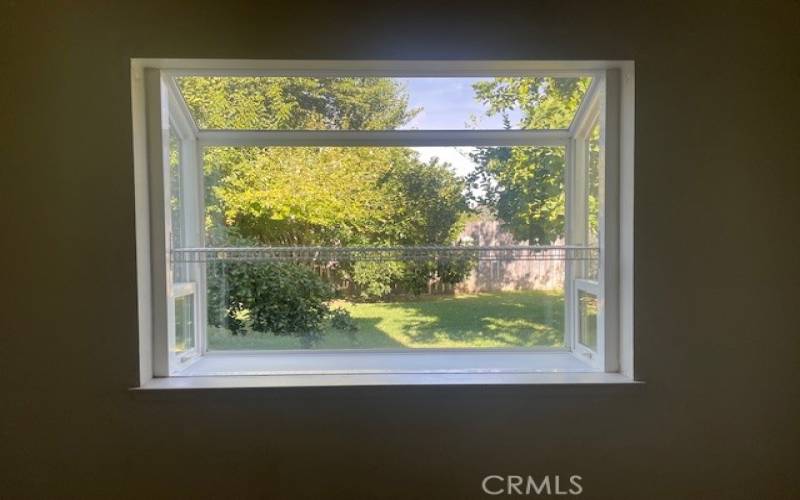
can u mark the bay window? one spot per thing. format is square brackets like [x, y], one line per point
[383, 219]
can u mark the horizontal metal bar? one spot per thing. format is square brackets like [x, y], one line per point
[407, 253]
[383, 138]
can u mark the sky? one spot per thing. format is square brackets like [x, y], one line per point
[449, 104]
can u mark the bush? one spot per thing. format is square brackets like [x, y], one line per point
[375, 279]
[341, 320]
[454, 270]
[418, 275]
[268, 297]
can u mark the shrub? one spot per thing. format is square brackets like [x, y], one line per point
[454, 270]
[418, 275]
[341, 320]
[268, 297]
[375, 279]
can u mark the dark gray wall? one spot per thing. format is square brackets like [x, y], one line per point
[717, 326]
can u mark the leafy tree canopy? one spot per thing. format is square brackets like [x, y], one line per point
[296, 103]
[524, 186]
[312, 195]
[339, 196]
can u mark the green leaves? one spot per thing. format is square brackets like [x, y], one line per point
[545, 102]
[270, 297]
[296, 103]
[524, 186]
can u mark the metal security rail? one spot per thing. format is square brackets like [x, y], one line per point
[384, 254]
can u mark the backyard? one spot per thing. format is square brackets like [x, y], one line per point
[371, 246]
[498, 319]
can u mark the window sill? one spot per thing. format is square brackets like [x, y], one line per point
[338, 369]
[383, 379]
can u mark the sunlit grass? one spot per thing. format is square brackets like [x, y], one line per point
[488, 320]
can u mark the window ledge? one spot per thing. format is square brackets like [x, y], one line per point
[383, 379]
[331, 369]
[362, 362]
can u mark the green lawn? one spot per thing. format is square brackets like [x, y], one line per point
[502, 319]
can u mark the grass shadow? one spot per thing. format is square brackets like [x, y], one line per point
[483, 320]
[493, 319]
[368, 336]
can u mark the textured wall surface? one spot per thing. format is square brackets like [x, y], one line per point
[717, 342]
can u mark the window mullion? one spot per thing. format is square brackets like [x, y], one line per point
[384, 138]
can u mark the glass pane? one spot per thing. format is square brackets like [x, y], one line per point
[184, 323]
[593, 202]
[593, 182]
[180, 272]
[175, 189]
[587, 319]
[382, 103]
[371, 247]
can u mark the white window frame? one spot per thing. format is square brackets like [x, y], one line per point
[600, 106]
[610, 99]
[173, 116]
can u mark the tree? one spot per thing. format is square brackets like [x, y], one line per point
[524, 186]
[319, 195]
[428, 202]
[323, 195]
[298, 195]
[306, 196]
[296, 103]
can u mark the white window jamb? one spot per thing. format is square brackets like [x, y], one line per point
[163, 113]
[194, 202]
[577, 272]
[602, 102]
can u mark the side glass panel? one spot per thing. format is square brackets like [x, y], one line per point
[176, 202]
[587, 223]
[184, 324]
[593, 183]
[593, 200]
[183, 333]
[175, 188]
[587, 319]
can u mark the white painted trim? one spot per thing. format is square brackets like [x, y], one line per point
[626, 217]
[143, 243]
[379, 138]
[179, 108]
[157, 118]
[587, 111]
[609, 223]
[388, 68]
[341, 380]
